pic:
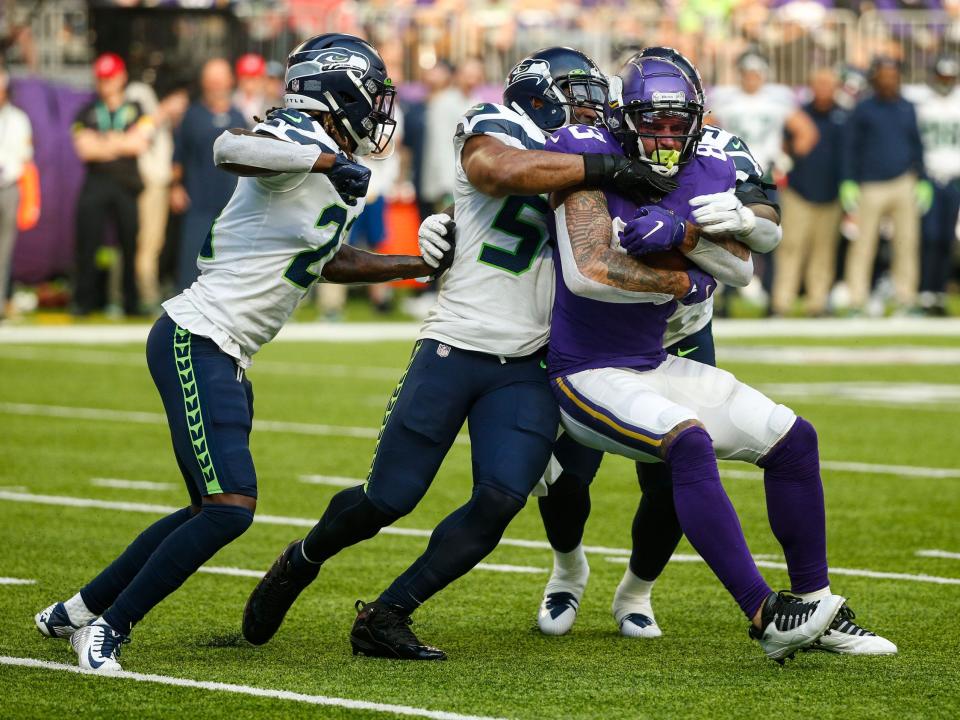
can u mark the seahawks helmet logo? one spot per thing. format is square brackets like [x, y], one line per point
[339, 59]
[532, 68]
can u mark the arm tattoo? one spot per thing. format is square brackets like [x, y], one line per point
[590, 230]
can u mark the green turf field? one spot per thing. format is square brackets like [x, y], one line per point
[74, 420]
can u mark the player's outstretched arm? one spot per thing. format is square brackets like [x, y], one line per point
[499, 170]
[353, 266]
[592, 268]
[251, 154]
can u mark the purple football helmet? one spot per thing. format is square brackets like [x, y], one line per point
[658, 104]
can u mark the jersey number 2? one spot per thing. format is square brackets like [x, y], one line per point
[298, 272]
[531, 235]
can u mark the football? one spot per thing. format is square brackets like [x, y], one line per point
[667, 260]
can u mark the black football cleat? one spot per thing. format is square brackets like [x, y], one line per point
[384, 631]
[272, 597]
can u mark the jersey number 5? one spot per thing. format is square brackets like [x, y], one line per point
[298, 272]
[530, 232]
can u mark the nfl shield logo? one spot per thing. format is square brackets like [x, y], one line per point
[443, 350]
[295, 85]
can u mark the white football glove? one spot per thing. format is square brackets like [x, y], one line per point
[431, 238]
[722, 213]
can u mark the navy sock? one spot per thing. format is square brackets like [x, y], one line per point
[564, 511]
[656, 531]
[102, 591]
[459, 542]
[177, 558]
[349, 518]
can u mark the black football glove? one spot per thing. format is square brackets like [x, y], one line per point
[631, 179]
[349, 178]
[451, 237]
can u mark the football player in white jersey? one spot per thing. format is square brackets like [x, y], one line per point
[938, 112]
[479, 358]
[281, 231]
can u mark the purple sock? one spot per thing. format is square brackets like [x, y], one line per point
[709, 520]
[791, 479]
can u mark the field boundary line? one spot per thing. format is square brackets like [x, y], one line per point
[943, 554]
[67, 501]
[296, 428]
[244, 690]
[16, 581]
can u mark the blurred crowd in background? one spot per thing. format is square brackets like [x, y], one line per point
[109, 110]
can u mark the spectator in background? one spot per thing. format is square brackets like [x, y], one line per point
[436, 80]
[443, 112]
[250, 97]
[156, 171]
[273, 86]
[938, 112]
[811, 209]
[108, 135]
[761, 113]
[882, 161]
[16, 150]
[200, 190]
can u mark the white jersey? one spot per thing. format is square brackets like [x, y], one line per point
[939, 118]
[264, 252]
[757, 118]
[498, 294]
[689, 319]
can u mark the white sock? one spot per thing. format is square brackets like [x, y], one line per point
[570, 572]
[815, 595]
[78, 612]
[632, 596]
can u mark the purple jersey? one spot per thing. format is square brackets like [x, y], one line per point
[586, 334]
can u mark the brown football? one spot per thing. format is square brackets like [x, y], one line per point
[667, 260]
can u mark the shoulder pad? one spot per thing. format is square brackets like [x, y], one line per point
[577, 139]
[296, 126]
[492, 119]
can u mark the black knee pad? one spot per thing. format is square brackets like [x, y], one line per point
[491, 510]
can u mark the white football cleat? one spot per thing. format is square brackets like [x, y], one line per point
[557, 613]
[848, 638]
[54, 622]
[639, 625]
[790, 624]
[98, 647]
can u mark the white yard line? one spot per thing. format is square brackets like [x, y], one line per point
[938, 554]
[148, 418]
[16, 581]
[832, 355]
[245, 690]
[892, 393]
[66, 501]
[121, 484]
[489, 567]
[523, 569]
[331, 480]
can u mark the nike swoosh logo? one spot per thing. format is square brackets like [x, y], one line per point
[93, 663]
[293, 118]
[684, 353]
[657, 227]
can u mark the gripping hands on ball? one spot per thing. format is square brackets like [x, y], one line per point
[721, 213]
[436, 238]
[653, 229]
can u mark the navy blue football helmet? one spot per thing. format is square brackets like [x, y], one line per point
[550, 84]
[346, 77]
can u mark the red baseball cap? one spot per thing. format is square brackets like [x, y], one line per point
[251, 65]
[108, 65]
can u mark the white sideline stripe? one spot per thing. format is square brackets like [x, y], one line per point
[16, 581]
[938, 554]
[266, 367]
[63, 500]
[815, 355]
[490, 567]
[869, 392]
[854, 467]
[245, 690]
[149, 418]
[679, 557]
[371, 332]
[332, 480]
[131, 484]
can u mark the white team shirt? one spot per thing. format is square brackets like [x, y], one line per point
[689, 319]
[498, 294]
[264, 251]
[757, 118]
[939, 119]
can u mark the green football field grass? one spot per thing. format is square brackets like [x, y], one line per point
[72, 416]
